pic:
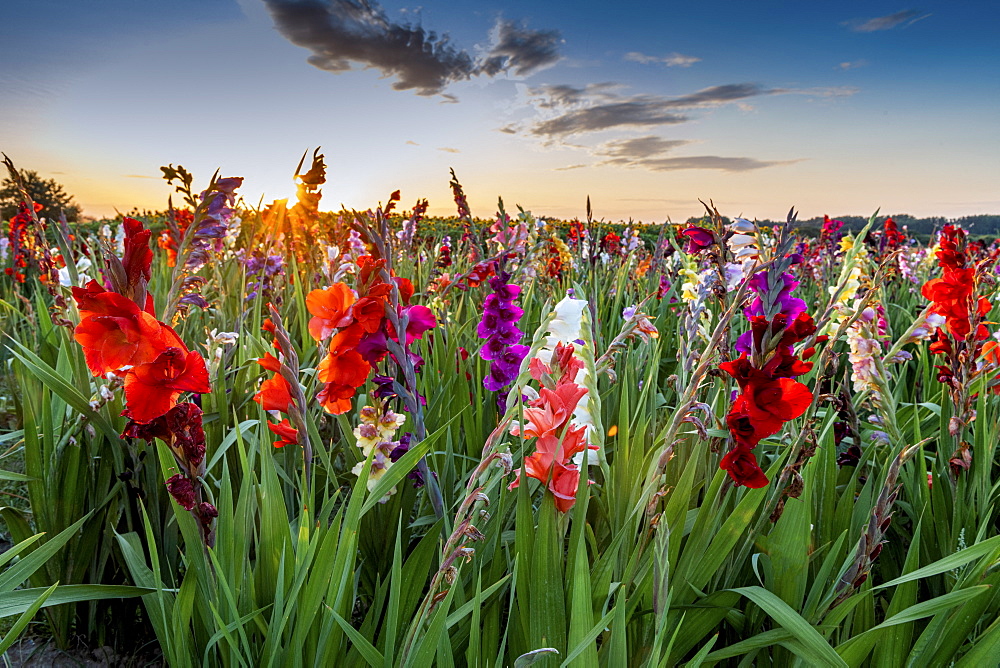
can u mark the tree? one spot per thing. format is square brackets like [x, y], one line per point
[46, 192]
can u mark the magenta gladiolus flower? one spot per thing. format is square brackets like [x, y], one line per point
[698, 238]
[499, 328]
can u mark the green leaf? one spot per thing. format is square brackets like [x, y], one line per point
[367, 650]
[949, 563]
[816, 648]
[26, 567]
[22, 622]
[18, 601]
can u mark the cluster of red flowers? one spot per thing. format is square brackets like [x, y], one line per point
[892, 237]
[19, 240]
[275, 394]
[120, 335]
[611, 243]
[769, 394]
[548, 421]
[953, 293]
[360, 330]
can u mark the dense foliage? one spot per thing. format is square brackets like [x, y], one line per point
[283, 437]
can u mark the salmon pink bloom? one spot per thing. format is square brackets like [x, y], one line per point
[152, 389]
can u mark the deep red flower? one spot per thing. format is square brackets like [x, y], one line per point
[783, 399]
[138, 256]
[741, 464]
[183, 491]
[152, 389]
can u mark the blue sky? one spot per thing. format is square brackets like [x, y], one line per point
[833, 108]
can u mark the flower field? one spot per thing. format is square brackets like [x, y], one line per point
[285, 437]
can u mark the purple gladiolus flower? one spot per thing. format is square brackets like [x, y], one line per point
[499, 327]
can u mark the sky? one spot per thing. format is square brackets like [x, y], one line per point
[837, 108]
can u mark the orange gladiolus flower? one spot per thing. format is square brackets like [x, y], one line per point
[343, 370]
[275, 393]
[331, 310]
[114, 332]
[287, 434]
[152, 389]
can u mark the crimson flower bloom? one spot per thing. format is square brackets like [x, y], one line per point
[152, 389]
[698, 238]
[741, 464]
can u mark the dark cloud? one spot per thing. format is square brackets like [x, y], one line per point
[519, 50]
[592, 109]
[888, 22]
[344, 33]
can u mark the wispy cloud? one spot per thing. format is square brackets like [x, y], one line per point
[344, 33]
[634, 149]
[851, 64]
[671, 60]
[448, 149]
[651, 152]
[722, 163]
[901, 19]
[567, 110]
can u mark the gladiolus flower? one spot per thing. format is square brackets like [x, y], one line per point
[152, 389]
[275, 393]
[114, 332]
[741, 464]
[331, 310]
[286, 433]
[698, 238]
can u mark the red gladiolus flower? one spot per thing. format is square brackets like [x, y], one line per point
[275, 393]
[183, 491]
[741, 464]
[783, 399]
[369, 313]
[287, 434]
[343, 371]
[331, 310]
[152, 389]
[114, 332]
[138, 257]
